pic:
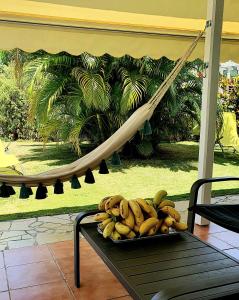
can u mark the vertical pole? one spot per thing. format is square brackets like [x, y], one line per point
[209, 99]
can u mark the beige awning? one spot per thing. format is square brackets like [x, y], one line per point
[136, 27]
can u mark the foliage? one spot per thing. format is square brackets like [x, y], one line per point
[229, 95]
[13, 107]
[87, 97]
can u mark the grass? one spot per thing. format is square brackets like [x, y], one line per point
[174, 168]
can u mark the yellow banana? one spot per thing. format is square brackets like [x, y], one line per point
[147, 225]
[136, 228]
[153, 212]
[101, 216]
[115, 235]
[131, 235]
[122, 229]
[172, 212]
[159, 197]
[153, 230]
[109, 228]
[104, 223]
[139, 217]
[112, 201]
[144, 205]
[169, 221]
[166, 203]
[164, 229]
[150, 202]
[129, 221]
[135, 208]
[180, 226]
[139, 220]
[115, 211]
[124, 208]
[101, 205]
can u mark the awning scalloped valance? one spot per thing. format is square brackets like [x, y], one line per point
[33, 25]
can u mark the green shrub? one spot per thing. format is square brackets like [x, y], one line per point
[13, 109]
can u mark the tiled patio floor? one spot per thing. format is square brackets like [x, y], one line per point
[45, 272]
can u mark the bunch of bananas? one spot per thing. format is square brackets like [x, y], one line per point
[126, 219]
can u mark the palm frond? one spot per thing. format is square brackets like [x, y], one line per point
[95, 90]
[134, 89]
[50, 92]
[74, 134]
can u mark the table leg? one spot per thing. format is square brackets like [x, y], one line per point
[77, 253]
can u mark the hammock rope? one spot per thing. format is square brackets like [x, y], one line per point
[95, 158]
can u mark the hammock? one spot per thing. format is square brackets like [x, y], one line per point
[95, 158]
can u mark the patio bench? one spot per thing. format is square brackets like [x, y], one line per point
[225, 215]
[179, 267]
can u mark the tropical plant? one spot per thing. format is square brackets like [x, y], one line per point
[229, 95]
[87, 97]
[13, 107]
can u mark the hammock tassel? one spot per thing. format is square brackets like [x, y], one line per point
[4, 193]
[45, 189]
[103, 168]
[30, 192]
[58, 187]
[115, 160]
[41, 192]
[89, 177]
[147, 129]
[11, 190]
[24, 192]
[75, 183]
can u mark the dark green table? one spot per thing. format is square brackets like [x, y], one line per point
[177, 267]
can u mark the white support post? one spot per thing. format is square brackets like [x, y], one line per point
[209, 99]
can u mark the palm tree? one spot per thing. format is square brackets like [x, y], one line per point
[86, 96]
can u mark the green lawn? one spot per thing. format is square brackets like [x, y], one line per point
[174, 169]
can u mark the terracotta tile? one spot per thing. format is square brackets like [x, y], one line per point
[66, 248]
[229, 237]
[211, 228]
[214, 241]
[97, 284]
[27, 255]
[62, 249]
[122, 298]
[3, 281]
[4, 296]
[88, 258]
[83, 243]
[50, 291]
[97, 281]
[33, 274]
[1, 260]
[66, 265]
[199, 230]
[233, 252]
